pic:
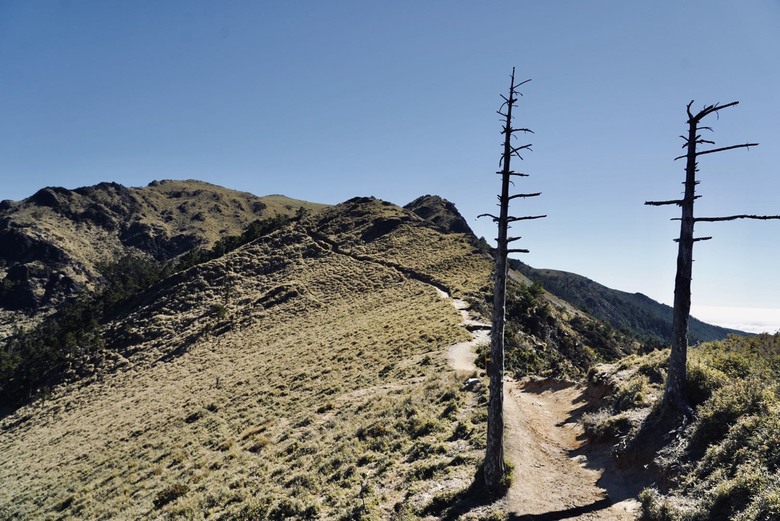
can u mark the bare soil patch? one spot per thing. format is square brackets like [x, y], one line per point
[556, 475]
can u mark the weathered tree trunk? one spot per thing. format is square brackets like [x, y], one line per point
[674, 394]
[495, 467]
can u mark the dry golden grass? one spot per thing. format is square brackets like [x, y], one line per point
[447, 259]
[281, 381]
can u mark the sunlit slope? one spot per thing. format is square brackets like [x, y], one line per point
[303, 373]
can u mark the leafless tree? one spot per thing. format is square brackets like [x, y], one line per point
[674, 394]
[495, 467]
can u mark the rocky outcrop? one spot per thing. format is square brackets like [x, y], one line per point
[440, 212]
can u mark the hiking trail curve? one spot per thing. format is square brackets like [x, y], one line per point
[556, 474]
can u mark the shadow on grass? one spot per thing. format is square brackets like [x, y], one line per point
[451, 508]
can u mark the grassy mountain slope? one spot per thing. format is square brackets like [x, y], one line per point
[303, 373]
[53, 244]
[633, 313]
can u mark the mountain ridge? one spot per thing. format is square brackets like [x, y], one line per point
[631, 312]
[307, 362]
[54, 243]
[47, 253]
[303, 364]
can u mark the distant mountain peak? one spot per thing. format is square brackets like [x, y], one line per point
[634, 313]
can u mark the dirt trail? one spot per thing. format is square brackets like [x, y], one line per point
[555, 476]
[461, 356]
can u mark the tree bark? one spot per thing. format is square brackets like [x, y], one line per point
[674, 394]
[495, 466]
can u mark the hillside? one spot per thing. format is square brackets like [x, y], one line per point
[632, 313]
[54, 243]
[309, 364]
[719, 465]
[301, 373]
[298, 368]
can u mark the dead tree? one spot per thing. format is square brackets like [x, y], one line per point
[674, 394]
[494, 466]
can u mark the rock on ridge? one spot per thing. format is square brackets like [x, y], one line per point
[440, 212]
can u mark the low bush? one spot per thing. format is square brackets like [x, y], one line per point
[734, 400]
[728, 459]
[635, 393]
[603, 425]
[169, 494]
[702, 382]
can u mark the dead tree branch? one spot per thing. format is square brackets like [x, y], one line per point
[662, 203]
[526, 218]
[524, 195]
[734, 217]
[722, 149]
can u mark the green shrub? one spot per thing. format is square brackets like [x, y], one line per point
[461, 432]
[426, 471]
[419, 426]
[733, 365]
[292, 508]
[733, 495]
[219, 311]
[727, 404]
[764, 505]
[702, 382]
[657, 507]
[633, 394]
[375, 430]
[603, 426]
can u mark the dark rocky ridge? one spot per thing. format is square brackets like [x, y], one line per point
[633, 313]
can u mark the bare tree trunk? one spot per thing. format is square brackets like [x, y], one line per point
[674, 394]
[494, 467]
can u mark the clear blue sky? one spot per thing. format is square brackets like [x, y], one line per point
[328, 100]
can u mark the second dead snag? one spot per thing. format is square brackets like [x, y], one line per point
[674, 393]
[495, 467]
